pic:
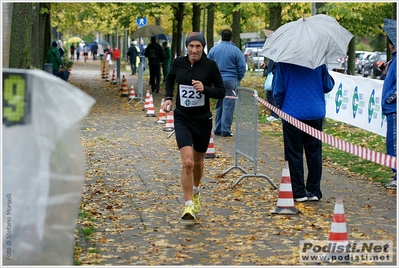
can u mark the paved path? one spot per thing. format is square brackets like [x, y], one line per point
[132, 192]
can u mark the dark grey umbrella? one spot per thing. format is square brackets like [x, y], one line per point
[390, 29]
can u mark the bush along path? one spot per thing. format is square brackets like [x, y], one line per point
[132, 201]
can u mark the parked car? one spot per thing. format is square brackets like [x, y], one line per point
[372, 62]
[254, 60]
[247, 50]
[337, 65]
[361, 61]
[358, 58]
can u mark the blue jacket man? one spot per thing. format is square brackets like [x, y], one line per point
[299, 92]
[388, 103]
[231, 63]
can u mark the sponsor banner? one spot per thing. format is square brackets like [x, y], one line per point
[356, 101]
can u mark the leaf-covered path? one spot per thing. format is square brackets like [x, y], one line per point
[132, 201]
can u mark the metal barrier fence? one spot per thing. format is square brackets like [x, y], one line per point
[246, 136]
[140, 86]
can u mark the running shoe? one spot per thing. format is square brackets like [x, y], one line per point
[301, 199]
[188, 213]
[391, 185]
[197, 202]
[312, 197]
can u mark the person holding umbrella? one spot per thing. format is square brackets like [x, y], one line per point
[388, 97]
[154, 52]
[198, 79]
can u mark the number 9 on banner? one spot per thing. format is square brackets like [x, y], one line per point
[16, 99]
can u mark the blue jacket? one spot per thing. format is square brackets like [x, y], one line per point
[230, 60]
[389, 88]
[299, 91]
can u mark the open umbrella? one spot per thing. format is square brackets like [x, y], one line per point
[390, 29]
[75, 39]
[308, 42]
[148, 31]
[163, 37]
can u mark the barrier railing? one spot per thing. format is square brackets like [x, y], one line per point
[140, 86]
[246, 135]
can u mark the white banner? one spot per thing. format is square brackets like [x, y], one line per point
[356, 101]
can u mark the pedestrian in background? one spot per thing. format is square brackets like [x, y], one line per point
[133, 52]
[94, 50]
[53, 56]
[116, 54]
[72, 51]
[77, 52]
[154, 53]
[143, 47]
[231, 62]
[198, 79]
[85, 52]
[60, 48]
[299, 92]
[167, 59]
[389, 108]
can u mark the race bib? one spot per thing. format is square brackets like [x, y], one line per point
[190, 97]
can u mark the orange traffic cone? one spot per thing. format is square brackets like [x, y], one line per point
[147, 100]
[107, 77]
[150, 109]
[132, 94]
[113, 79]
[125, 91]
[285, 202]
[104, 75]
[124, 82]
[161, 114]
[210, 152]
[338, 234]
[170, 124]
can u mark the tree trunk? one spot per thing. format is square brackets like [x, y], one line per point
[210, 25]
[7, 16]
[236, 28]
[275, 16]
[196, 21]
[177, 29]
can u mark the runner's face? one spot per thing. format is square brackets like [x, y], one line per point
[194, 51]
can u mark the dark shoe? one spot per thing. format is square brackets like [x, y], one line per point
[228, 135]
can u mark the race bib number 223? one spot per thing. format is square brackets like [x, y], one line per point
[190, 97]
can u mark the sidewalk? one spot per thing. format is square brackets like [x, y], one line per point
[132, 192]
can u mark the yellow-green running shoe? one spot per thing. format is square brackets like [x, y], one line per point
[197, 202]
[188, 213]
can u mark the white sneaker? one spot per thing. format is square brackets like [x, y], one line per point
[391, 185]
[271, 118]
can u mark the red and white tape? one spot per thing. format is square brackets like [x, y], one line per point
[373, 156]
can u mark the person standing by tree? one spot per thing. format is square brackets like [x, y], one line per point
[167, 59]
[154, 53]
[53, 57]
[133, 52]
[388, 103]
[231, 62]
[61, 48]
[94, 50]
[195, 75]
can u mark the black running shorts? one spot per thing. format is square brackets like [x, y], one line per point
[193, 130]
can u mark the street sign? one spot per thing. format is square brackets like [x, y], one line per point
[255, 44]
[249, 35]
[141, 21]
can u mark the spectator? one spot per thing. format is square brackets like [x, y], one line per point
[94, 50]
[154, 52]
[231, 64]
[116, 54]
[85, 52]
[78, 49]
[72, 51]
[388, 103]
[167, 59]
[299, 92]
[200, 78]
[61, 48]
[133, 52]
[53, 57]
[142, 53]
[271, 66]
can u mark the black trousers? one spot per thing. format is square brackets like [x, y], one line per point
[295, 142]
[155, 77]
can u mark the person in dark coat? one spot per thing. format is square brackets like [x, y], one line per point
[154, 53]
[94, 50]
[133, 52]
[53, 57]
